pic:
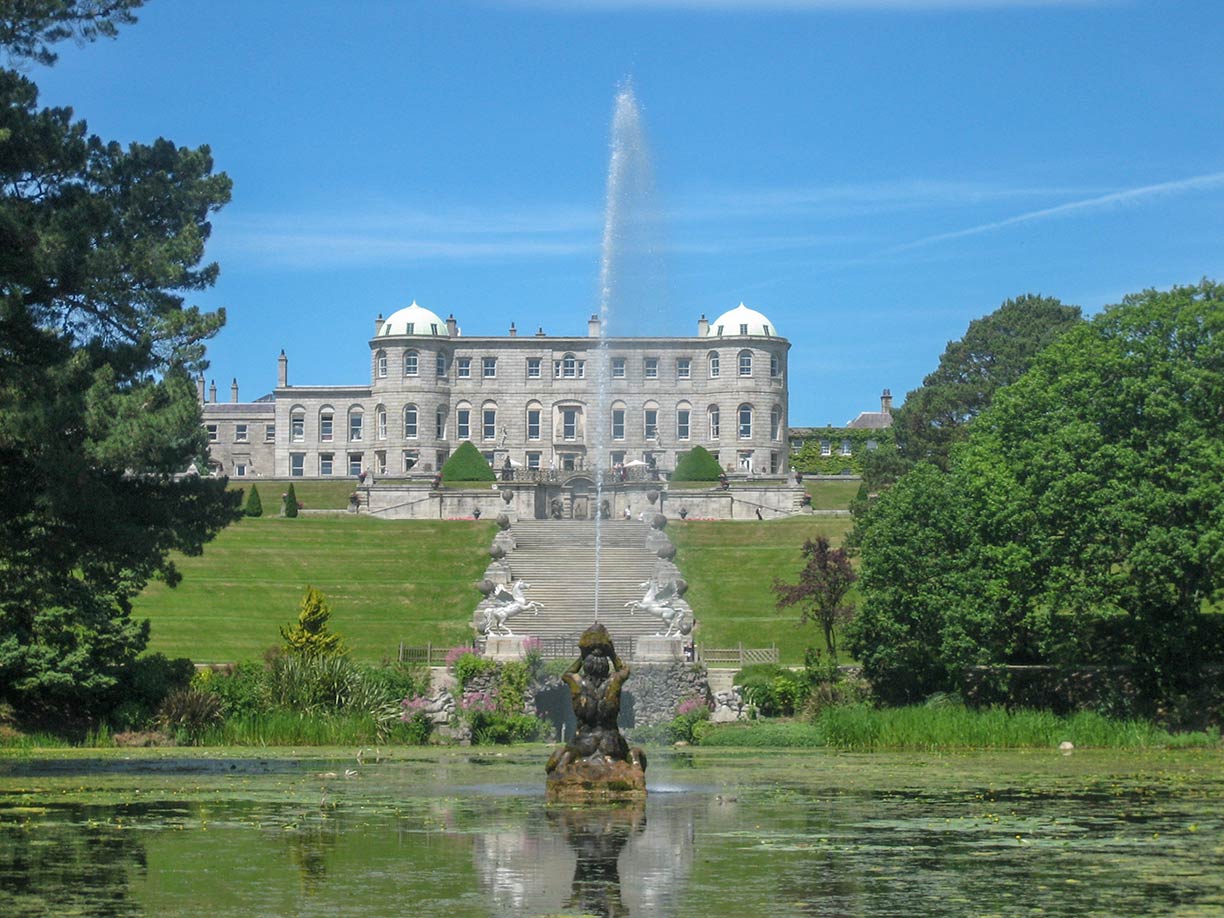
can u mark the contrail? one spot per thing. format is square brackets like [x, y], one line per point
[1117, 198]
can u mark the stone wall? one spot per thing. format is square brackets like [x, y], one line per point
[655, 690]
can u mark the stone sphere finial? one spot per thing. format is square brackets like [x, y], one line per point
[486, 586]
[666, 551]
[652, 496]
[496, 552]
[503, 522]
[507, 495]
[659, 521]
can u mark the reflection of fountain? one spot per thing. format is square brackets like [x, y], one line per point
[597, 764]
[597, 836]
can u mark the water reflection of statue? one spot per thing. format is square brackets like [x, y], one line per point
[597, 762]
[597, 837]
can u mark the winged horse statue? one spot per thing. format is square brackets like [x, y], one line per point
[659, 601]
[510, 602]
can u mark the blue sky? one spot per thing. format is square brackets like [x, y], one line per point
[871, 175]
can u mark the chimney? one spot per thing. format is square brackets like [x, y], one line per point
[540, 332]
[282, 370]
[200, 389]
[378, 324]
[212, 392]
[886, 402]
[593, 326]
[703, 326]
[513, 331]
[234, 391]
[452, 327]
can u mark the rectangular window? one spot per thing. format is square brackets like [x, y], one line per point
[380, 462]
[489, 367]
[775, 366]
[464, 367]
[354, 464]
[240, 470]
[618, 458]
[533, 367]
[240, 433]
[569, 423]
[269, 433]
[297, 464]
[326, 463]
[826, 448]
[745, 363]
[845, 450]
[410, 423]
[533, 460]
[743, 329]
[325, 428]
[212, 433]
[714, 424]
[382, 366]
[618, 367]
[652, 424]
[355, 420]
[410, 457]
[650, 367]
[488, 456]
[382, 425]
[489, 423]
[533, 423]
[684, 367]
[440, 426]
[682, 423]
[618, 423]
[411, 363]
[463, 421]
[297, 428]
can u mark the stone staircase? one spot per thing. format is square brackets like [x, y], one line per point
[557, 557]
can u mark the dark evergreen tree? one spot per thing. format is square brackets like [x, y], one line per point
[291, 502]
[254, 506]
[697, 465]
[98, 412]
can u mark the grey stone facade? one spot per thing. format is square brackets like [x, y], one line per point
[529, 399]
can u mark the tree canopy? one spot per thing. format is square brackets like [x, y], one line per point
[99, 244]
[994, 352]
[466, 464]
[1082, 520]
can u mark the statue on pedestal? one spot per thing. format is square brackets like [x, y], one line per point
[597, 763]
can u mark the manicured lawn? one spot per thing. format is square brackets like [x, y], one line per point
[730, 568]
[332, 494]
[831, 495]
[387, 581]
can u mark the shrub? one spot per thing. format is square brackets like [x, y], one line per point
[697, 465]
[466, 464]
[291, 502]
[243, 691]
[144, 685]
[310, 637]
[187, 712]
[254, 506]
[773, 690]
[468, 666]
[689, 713]
[493, 728]
[417, 725]
[312, 684]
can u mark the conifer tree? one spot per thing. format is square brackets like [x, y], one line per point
[254, 506]
[291, 507]
[310, 637]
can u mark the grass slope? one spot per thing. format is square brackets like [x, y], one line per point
[386, 581]
[730, 568]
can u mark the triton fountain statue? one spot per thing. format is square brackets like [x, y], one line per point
[597, 764]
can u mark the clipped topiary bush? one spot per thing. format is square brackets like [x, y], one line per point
[466, 464]
[254, 506]
[291, 504]
[697, 465]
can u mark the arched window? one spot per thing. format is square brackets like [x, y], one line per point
[297, 424]
[535, 414]
[775, 423]
[745, 422]
[440, 423]
[380, 364]
[355, 423]
[463, 421]
[442, 363]
[712, 417]
[327, 423]
[488, 421]
[618, 420]
[775, 366]
[412, 362]
[650, 421]
[712, 359]
[684, 420]
[745, 363]
[380, 422]
[410, 422]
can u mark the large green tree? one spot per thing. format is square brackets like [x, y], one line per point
[994, 352]
[99, 244]
[1082, 521]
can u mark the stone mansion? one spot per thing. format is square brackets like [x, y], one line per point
[530, 400]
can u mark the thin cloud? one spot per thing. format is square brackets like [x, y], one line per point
[792, 6]
[1117, 199]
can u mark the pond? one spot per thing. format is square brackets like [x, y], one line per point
[460, 832]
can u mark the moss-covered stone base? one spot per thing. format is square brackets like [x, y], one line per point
[589, 781]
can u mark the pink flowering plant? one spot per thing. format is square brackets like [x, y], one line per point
[414, 715]
[690, 712]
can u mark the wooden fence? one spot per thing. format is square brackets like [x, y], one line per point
[736, 656]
